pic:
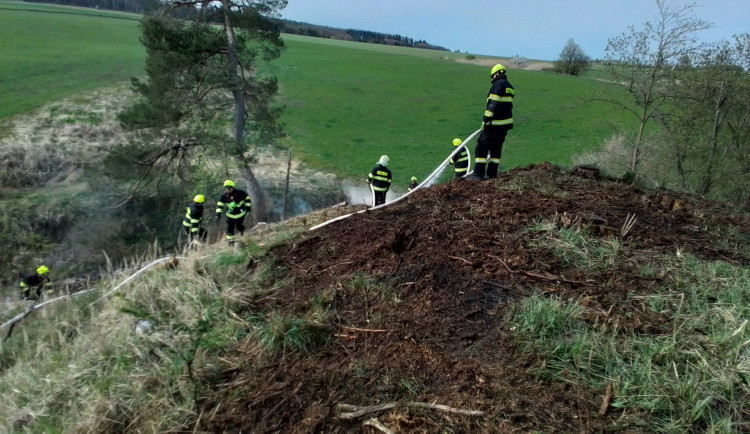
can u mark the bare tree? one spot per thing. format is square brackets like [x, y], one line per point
[572, 60]
[643, 63]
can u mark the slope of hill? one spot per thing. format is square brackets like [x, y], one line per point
[539, 301]
[425, 305]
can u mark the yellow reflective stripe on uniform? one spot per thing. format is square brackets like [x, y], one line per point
[494, 97]
[380, 188]
[488, 114]
[463, 159]
[502, 122]
[495, 160]
[480, 160]
[506, 99]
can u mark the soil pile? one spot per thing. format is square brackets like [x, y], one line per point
[421, 292]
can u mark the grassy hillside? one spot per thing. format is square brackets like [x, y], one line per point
[537, 302]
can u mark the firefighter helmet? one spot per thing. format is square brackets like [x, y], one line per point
[199, 198]
[456, 141]
[228, 183]
[413, 178]
[42, 270]
[497, 68]
[384, 160]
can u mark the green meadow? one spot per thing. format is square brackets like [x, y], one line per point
[345, 103]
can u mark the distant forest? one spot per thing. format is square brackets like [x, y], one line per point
[287, 26]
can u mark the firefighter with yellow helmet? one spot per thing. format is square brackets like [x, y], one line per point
[193, 218]
[413, 184]
[460, 159]
[235, 204]
[32, 284]
[496, 121]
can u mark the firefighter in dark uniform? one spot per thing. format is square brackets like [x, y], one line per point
[497, 120]
[237, 203]
[460, 160]
[32, 284]
[413, 184]
[192, 221]
[380, 180]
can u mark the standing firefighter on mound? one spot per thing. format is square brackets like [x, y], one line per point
[460, 160]
[193, 219]
[497, 120]
[31, 284]
[380, 180]
[237, 203]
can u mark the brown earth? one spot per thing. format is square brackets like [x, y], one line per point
[430, 326]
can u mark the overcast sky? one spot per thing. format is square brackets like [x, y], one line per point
[535, 29]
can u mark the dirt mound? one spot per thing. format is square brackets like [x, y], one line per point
[421, 291]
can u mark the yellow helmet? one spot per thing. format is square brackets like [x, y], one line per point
[456, 141]
[497, 68]
[228, 183]
[42, 270]
[199, 198]
[413, 178]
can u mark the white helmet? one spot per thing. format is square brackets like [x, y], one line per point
[384, 160]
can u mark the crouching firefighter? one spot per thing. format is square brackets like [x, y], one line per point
[32, 284]
[237, 203]
[192, 221]
[460, 160]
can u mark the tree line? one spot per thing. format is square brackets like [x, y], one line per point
[689, 100]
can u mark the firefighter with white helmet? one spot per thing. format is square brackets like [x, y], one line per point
[380, 179]
[496, 121]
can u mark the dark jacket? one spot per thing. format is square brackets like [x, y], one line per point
[460, 160]
[380, 178]
[193, 217]
[237, 204]
[499, 111]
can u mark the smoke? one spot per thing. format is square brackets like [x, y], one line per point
[358, 194]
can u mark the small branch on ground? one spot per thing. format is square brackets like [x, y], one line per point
[377, 424]
[355, 329]
[356, 412]
[461, 259]
[607, 398]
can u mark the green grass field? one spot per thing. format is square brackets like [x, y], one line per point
[346, 103]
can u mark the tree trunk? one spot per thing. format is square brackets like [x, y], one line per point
[254, 187]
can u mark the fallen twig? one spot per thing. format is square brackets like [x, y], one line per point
[361, 411]
[538, 276]
[377, 424]
[607, 398]
[355, 329]
[461, 259]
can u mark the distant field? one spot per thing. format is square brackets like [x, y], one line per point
[346, 103]
[51, 52]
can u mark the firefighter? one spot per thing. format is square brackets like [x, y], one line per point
[192, 221]
[497, 120]
[31, 284]
[380, 180]
[237, 203]
[413, 184]
[460, 160]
